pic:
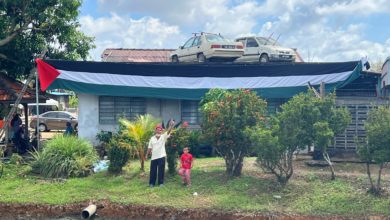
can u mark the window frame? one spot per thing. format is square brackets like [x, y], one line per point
[120, 106]
[248, 40]
[190, 109]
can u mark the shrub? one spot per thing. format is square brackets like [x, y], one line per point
[64, 156]
[16, 159]
[179, 139]
[272, 155]
[226, 114]
[104, 138]
[118, 154]
[303, 120]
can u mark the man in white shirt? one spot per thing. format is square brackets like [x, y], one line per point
[157, 149]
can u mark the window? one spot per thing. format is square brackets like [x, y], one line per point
[188, 44]
[63, 115]
[215, 38]
[50, 115]
[190, 112]
[112, 108]
[196, 42]
[250, 42]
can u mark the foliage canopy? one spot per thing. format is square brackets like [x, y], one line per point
[226, 115]
[376, 149]
[29, 26]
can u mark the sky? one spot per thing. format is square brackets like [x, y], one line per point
[321, 30]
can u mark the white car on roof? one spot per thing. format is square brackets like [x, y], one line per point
[262, 49]
[205, 47]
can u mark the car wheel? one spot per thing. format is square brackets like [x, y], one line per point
[42, 127]
[264, 58]
[175, 59]
[76, 127]
[201, 58]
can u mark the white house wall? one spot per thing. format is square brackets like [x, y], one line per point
[88, 115]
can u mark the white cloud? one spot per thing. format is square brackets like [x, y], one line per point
[320, 30]
[321, 27]
[349, 7]
[125, 32]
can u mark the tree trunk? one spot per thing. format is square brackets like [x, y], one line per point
[327, 159]
[142, 158]
[234, 166]
[378, 183]
[372, 188]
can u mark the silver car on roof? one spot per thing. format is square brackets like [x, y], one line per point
[262, 49]
[205, 47]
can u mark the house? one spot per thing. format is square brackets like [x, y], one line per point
[109, 90]
[62, 97]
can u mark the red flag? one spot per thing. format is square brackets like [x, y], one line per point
[47, 74]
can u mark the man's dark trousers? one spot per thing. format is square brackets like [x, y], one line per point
[157, 168]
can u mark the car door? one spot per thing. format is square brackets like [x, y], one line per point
[50, 119]
[251, 49]
[195, 49]
[184, 54]
[62, 119]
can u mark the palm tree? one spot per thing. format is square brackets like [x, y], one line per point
[140, 131]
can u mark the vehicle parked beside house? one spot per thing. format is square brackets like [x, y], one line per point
[261, 49]
[205, 47]
[54, 120]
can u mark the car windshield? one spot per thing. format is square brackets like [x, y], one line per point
[215, 38]
[267, 41]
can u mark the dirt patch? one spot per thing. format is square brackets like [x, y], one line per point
[108, 210]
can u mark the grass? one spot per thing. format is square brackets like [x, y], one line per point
[309, 192]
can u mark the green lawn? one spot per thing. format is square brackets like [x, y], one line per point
[308, 192]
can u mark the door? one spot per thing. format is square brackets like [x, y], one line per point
[50, 119]
[195, 49]
[185, 51]
[62, 119]
[251, 50]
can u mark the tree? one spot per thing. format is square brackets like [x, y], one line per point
[29, 26]
[139, 131]
[273, 155]
[313, 120]
[303, 120]
[226, 115]
[73, 101]
[331, 121]
[377, 147]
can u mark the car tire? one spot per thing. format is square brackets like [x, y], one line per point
[42, 127]
[201, 58]
[264, 58]
[76, 126]
[175, 59]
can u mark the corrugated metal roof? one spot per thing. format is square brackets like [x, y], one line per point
[136, 55]
[10, 88]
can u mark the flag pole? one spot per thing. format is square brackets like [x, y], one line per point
[37, 108]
